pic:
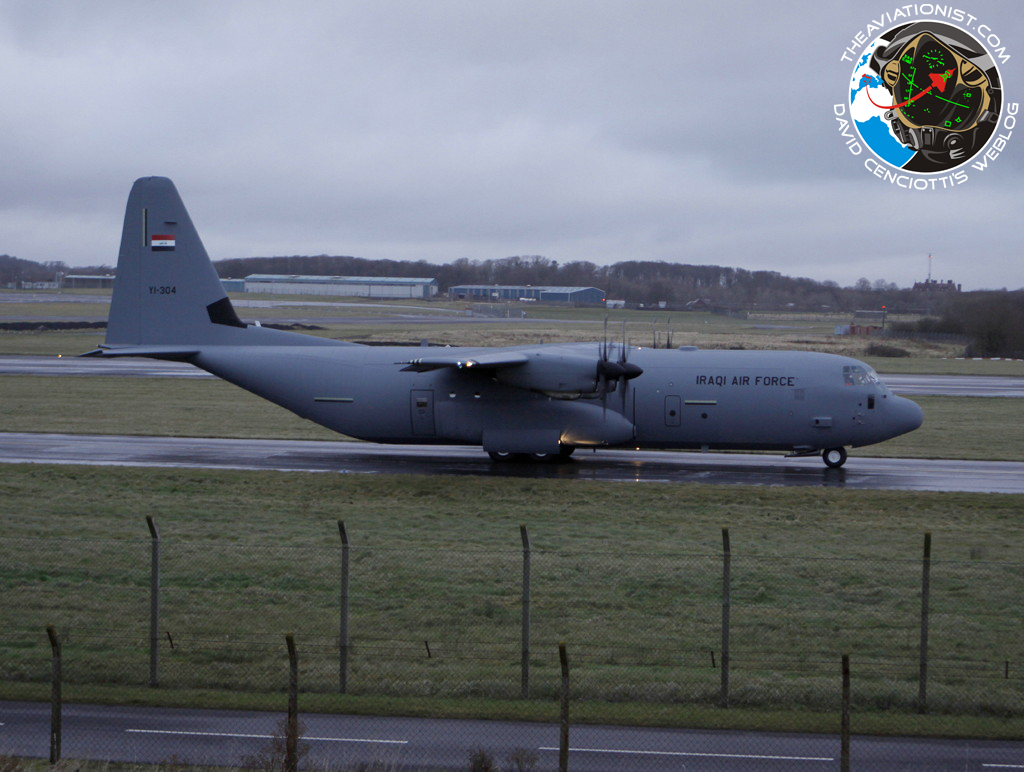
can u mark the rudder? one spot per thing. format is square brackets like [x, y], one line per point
[166, 292]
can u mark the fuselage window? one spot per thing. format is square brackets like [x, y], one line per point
[856, 375]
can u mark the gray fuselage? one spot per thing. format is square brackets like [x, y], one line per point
[770, 400]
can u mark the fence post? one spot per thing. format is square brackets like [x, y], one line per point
[525, 656]
[291, 735]
[563, 741]
[55, 696]
[723, 698]
[922, 676]
[154, 602]
[343, 641]
[844, 722]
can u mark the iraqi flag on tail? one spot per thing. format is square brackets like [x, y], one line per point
[161, 242]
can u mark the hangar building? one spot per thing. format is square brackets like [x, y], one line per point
[501, 292]
[80, 281]
[389, 287]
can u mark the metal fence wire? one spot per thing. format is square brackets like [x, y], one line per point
[650, 636]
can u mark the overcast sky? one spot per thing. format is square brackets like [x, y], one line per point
[439, 129]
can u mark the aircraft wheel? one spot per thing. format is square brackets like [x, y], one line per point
[504, 456]
[564, 451]
[834, 457]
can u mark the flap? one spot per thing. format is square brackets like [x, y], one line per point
[465, 360]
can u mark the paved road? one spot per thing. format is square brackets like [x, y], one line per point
[147, 735]
[607, 465]
[956, 385]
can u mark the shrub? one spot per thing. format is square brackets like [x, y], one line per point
[885, 350]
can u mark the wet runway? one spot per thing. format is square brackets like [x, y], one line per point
[607, 465]
[613, 465]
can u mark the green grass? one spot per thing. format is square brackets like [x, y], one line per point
[54, 310]
[41, 343]
[953, 366]
[144, 406]
[629, 576]
[974, 428]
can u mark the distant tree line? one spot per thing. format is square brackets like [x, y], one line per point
[14, 270]
[637, 282]
[994, 321]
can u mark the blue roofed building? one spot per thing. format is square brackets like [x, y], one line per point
[505, 292]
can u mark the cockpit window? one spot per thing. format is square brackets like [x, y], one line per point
[859, 375]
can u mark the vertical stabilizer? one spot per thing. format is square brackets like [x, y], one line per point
[167, 292]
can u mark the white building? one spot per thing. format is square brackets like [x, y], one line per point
[384, 287]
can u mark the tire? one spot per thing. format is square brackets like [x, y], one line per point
[504, 456]
[564, 451]
[834, 457]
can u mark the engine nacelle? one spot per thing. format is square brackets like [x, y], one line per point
[554, 374]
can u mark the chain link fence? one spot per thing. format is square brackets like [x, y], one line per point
[650, 638]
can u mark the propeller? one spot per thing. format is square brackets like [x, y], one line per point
[612, 371]
[656, 341]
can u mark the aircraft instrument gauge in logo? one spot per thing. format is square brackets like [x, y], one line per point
[926, 97]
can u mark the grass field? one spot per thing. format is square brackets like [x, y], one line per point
[628, 575]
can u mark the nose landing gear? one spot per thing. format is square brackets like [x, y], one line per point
[834, 457]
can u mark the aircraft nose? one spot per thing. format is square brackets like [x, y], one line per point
[908, 415]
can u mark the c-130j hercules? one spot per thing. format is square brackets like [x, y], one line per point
[518, 402]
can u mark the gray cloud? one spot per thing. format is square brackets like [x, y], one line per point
[597, 131]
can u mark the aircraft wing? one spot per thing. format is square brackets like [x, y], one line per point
[564, 370]
[479, 358]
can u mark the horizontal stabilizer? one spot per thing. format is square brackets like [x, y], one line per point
[176, 353]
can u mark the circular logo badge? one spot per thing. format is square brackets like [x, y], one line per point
[925, 97]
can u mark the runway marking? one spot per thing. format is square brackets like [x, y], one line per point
[1004, 766]
[240, 735]
[693, 753]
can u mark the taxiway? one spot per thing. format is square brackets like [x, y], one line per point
[607, 465]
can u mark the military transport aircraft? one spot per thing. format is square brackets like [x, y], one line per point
[519, 402]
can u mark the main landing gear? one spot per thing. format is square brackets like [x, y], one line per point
[834, 457]
[563, 453]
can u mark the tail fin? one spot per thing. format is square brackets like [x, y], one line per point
[167, 292]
